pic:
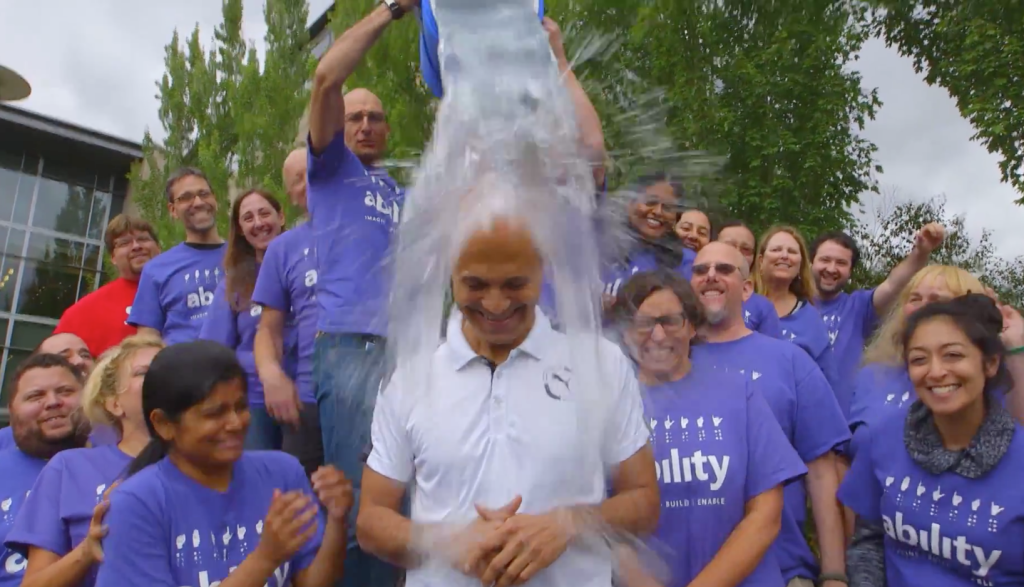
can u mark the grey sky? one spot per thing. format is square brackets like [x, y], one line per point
[95, 64]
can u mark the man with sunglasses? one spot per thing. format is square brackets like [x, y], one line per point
[176, 288]
[800, 398]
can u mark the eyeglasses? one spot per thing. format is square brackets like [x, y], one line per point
[724, 269]
[666, 206]
[189, 197]
[142, 239]
[371, 117]
[670, 323]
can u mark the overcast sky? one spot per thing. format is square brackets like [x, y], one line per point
[94, 64]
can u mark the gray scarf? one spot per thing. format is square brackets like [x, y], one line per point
[988, 446]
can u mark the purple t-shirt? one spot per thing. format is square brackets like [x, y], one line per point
[236, 330]
[805, 328]
[57, 513]
[615, 276]
[878, 391]
[353, 210]
[19, 475]
[716, 447]
[940, 529]
[287, 283]
[176, 291]
[101, 436]
[806, 409]
[759, 315]
[167, 530]
[850, 320]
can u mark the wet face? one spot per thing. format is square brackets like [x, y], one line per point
[781, 260]
[653, 214]
[947, 370]
[497, 282]
[295, 178]
[131, 251]
[660, 335]
[45, 414]
[127, 404]
[366, 127]
[210, 435]
[71, 348]
[832, 266]
[928, 291]
[259, 222]
[740, 238]
[193, 203]
[719, 283]
[694, 229]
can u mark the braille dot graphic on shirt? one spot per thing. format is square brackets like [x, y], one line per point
[668, 427]
[936, 496]
[903, 490]
[684, 423]
[718, 431]
[888, 482]
[921, 490]
[993, 523]
[700, 428]
[954, 512]
[972, 519]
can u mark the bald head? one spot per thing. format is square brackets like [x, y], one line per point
[718, 252]
[366, 127]
[294, 173]
[505, 241]
[71, 347]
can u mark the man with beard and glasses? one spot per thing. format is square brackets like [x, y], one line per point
[802, 402]
[101, 317]
[46, 418]
[176, 288]
[495, 426]
[850, 318]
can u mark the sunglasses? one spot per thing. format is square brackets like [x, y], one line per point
[644, 325]
[724, 269]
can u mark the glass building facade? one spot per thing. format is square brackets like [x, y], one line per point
[59, 186]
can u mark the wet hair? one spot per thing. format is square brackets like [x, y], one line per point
[179, 174]
[240, 258]
[978, 317]
[840, 238]
[105, 380]
[123, 224]
[646, 283]
[40, 361]
[181, 377]
[803, 285]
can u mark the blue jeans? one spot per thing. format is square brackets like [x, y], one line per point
[348, 369]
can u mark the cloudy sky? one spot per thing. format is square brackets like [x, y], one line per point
[94, 64]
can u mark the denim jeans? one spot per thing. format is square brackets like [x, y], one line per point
[348, 369]
[304, 443]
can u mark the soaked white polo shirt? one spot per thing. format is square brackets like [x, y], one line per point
[472, 436]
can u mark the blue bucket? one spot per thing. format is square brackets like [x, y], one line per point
[430, 65]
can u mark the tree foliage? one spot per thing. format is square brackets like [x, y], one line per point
[887, 236]
[975, 50]
[225, 112]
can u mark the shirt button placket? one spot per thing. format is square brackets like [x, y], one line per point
[498, 401]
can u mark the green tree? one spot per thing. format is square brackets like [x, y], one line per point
[975, 51]
[226, 113]
[887, 235]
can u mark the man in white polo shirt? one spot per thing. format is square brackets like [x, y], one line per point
[499, 425]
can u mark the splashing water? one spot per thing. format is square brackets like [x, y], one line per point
[505, 145]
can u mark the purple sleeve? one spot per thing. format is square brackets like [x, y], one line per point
[271, 290]
[147, 311]
[136, 550]
[864, 302]
[768, 321]
[771, 460]
[819, 423]
[221, 322]
[297, 480]
[324, 166]
[860, 490]
[6, 438]
[39, 523]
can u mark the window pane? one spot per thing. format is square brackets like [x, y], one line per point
[27, 335]
[47, 289]
[62, 251]
[16, 187]
[97, 222]
[89, 282]
[14, 240]
[14, 358]
[62, 207]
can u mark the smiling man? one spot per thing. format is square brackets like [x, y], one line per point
[46, 418]
[176, 288]
[101, 317]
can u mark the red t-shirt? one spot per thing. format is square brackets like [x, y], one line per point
[100, 317]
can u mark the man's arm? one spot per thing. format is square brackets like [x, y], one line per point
[822, 485]
[380, 529]
[635, 503]
[268, 346]
[927, 240]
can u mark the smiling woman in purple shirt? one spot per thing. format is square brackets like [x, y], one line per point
[783, 275]
[196, 509]
[60, 525]
[937, 488]
[721, 457]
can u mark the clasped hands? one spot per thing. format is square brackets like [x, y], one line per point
[502, 547]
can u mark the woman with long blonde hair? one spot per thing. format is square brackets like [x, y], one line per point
[783, 275]
[60, 528]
